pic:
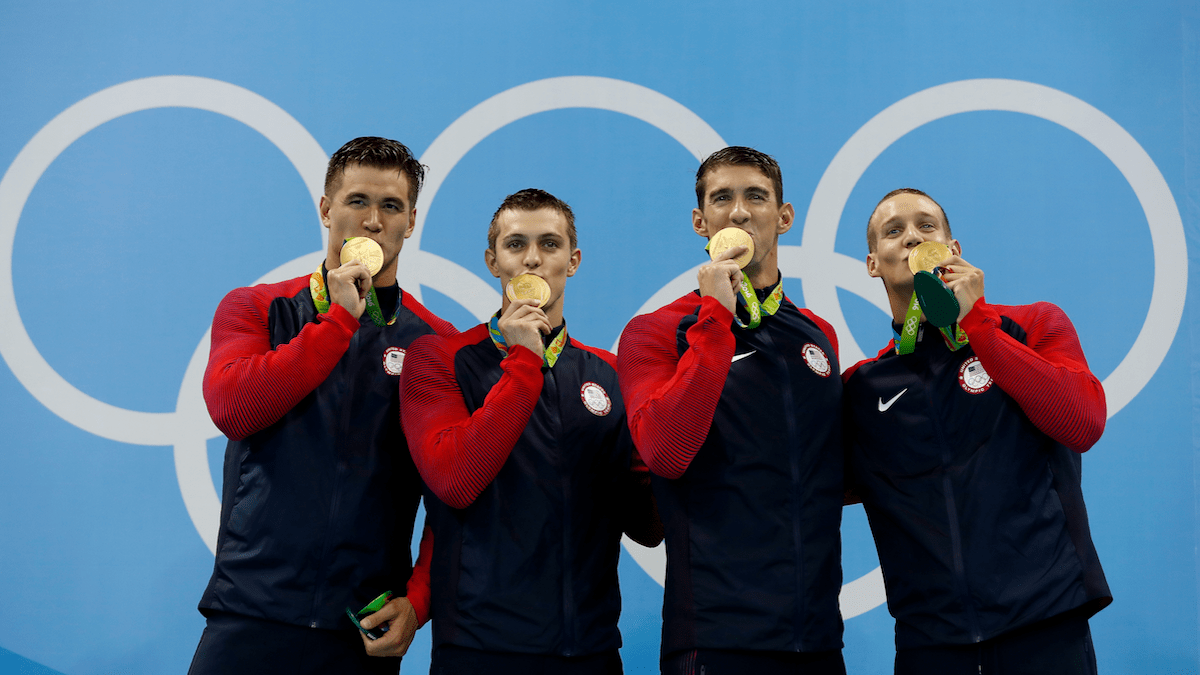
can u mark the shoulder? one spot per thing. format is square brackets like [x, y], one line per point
[667, 316]
[447, 346]
[866, 363]
[438, 324]
[605, 355]
[260, 296]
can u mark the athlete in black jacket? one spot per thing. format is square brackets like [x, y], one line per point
[319, 495]
[964, 444]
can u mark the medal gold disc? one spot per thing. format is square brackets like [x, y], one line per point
[927, 255]
[728, 238]
[367, 252]
[528, 287]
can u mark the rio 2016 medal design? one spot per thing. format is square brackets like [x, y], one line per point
[367, 252]
[927, 255]
[528, 287]
[728, 238]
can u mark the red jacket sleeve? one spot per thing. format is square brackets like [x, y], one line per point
[1049, 378]
[417, 591]
[671, 399]
[459, 453]
[248, 386]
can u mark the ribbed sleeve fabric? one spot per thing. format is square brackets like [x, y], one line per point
[670, 399]
[248, 386]
[417, 590]
[1049, 378]
[459, 453]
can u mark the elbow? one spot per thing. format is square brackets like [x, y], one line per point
[660, 467]
[1089, 433]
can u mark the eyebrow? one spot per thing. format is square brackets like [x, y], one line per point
[384, 200]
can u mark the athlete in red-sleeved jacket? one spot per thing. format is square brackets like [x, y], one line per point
[319, 493]
[519, 432]
[965, 451]
[741, 424]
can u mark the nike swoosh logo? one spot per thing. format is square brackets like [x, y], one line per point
[884, 406]
[739, 357]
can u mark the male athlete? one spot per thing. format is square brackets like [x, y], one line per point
[319, 491]
[519, 432]
[963, 443]
[734, 401]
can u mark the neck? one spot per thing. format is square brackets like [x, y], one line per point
[899, 300]
[765, 276]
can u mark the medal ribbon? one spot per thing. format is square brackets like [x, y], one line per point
[749, 299]
[906, 340]
[320, 296]
[549, 354]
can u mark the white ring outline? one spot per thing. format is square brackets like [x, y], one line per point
[189, 427]
[42, 381]
[1166, 225]
[1124, 147]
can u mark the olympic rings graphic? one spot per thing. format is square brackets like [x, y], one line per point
[820, 269]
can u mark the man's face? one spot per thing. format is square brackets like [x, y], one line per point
[743, 197]
[535, 242]
[900, 224]
[369, 202]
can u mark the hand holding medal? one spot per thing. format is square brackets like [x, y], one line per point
[523, 322]
[723, 277]
[936, 299]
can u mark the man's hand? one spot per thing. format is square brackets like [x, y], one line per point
[401, 620]
[722, 277]
[965, 280]
[524, 324]
[348, 286]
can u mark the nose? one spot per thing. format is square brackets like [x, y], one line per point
[740, 213]
[373, 221]
[913, 236]
[533, 257]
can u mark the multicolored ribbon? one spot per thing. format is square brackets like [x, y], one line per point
[320, 296]
[549, 354]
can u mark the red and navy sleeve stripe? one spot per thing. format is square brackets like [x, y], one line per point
[1048, 377]
[248, 386]
[671, 399]
[458, 452]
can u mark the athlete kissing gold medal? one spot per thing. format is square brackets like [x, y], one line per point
[926, 256]
[528, 287]
[366, 251]
[728, 238]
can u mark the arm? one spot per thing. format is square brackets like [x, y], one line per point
[459, 453]
[248, 386]
[671, 399]
[1049, 378]
[418, 584]
[640, 519]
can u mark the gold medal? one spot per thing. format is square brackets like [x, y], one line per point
[728, 238]
[528, 287]
[927, 255]
[367, 252]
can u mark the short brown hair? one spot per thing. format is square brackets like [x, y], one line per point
[380, 153]
[737, 155]
[532, 199]
[873, 239]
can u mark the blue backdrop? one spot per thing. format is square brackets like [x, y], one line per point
[156, 155]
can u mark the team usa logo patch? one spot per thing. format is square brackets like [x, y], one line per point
[393, 360]
[815, 357]
[595, 399]
[972, 377]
